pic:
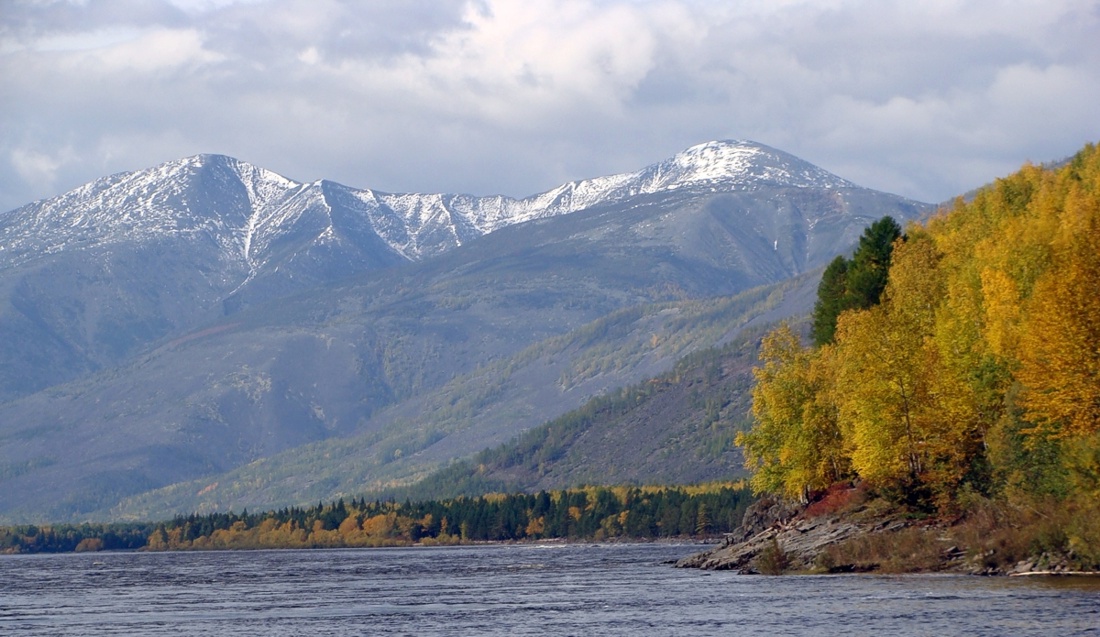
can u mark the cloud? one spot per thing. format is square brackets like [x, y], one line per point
[924, 99]
[149, 52]
[38, 169]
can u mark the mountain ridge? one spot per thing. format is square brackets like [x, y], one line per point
[730, 164]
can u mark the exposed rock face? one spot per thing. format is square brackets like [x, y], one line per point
[768, 522]
[801, 540]
[763, 515]
[771, 523]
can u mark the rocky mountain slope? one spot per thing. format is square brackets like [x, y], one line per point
[175, 324]
[92, 276]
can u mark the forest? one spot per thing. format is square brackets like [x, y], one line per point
[953, 368]
[591, 514]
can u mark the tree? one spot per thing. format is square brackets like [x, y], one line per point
[831, 294]
[869, 270]
[854, 284]
[887, 372]
[1060, 352]
[794, 446]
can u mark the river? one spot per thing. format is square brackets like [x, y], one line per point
[623, 589]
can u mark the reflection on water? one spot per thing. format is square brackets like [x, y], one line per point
[509, 590]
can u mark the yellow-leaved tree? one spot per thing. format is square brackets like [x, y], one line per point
[980, 366]
[795, 445]
[900, 406]
[1060, 346]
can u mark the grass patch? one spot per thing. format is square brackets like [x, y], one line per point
[994, 536]
[907, 550]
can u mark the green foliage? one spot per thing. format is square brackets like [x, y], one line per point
[66, 538]
[589, 514]
[831, 301]
[869, 270]
[594, 513]
[857, 283]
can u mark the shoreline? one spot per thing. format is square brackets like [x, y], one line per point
[548, 542]
[780, 538]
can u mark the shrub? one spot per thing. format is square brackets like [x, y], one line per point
[838, 497]
[773, 560]
[89, 544]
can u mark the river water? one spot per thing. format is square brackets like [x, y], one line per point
[509, 590]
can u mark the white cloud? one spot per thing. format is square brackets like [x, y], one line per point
[40, 169]
[152, 51]
[924, 99]
[203, 6]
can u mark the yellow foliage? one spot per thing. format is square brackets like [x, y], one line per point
[991, 306]
[380, 526]
[795, 444]
[1060, 352]
[349, 527]
[536, 526]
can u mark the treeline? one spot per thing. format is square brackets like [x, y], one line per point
[595, 513]
[66, 538]
[976, 375]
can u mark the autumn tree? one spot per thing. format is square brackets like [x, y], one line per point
[1060, 349]
[794, 445]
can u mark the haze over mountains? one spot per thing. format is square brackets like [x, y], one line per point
[196, 323]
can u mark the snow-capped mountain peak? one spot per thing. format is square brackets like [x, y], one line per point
[249, 211]
[739, 164]
[712, 166]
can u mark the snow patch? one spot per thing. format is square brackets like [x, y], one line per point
[246, 209]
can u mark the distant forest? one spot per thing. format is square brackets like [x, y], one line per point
[589, 514]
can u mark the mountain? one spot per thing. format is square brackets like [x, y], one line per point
[207, 316]
[91, 277]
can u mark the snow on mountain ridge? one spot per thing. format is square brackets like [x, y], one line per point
[740, 165]
[246, 209]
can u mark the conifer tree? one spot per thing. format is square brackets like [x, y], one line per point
[830, 303]
[857, 283]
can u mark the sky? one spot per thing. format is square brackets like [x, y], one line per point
[927, 100]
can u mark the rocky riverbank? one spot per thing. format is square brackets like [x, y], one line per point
[778, 537]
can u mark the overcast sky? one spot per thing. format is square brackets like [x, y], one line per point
[925, 99]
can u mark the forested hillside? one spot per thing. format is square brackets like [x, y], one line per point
[974, 384]
[676, 428]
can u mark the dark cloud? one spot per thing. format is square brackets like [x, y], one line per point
[924, 100]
